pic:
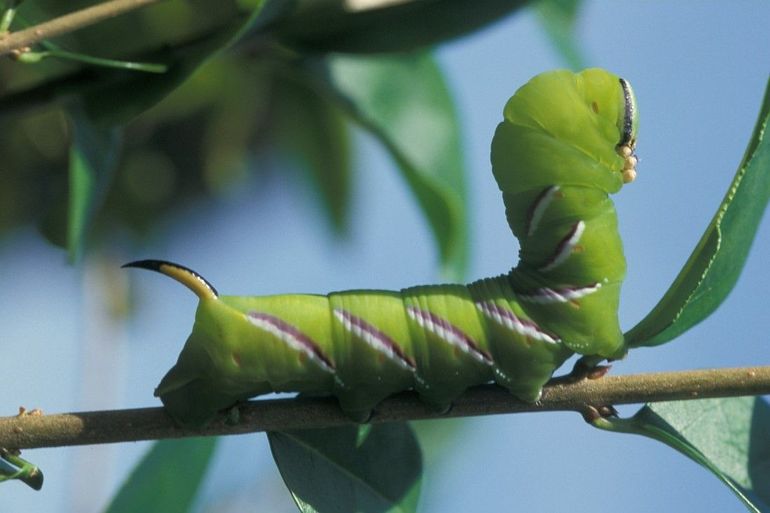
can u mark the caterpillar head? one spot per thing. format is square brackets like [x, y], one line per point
[567, 128]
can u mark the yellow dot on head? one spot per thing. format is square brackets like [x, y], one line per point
[624, 151]
[631, 162]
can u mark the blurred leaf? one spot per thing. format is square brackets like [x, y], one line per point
[559, 17]
[184, 33]
[124, 94]
[93, 160]
[335, 471]
[230, 137]
[271, 12]
[313, 130]
[28, 175]
[438, 436]
[167, 479]
[135, 31]
[729, 437]
[404, 102]
[163, 30]
[710, 273]
[373, 26]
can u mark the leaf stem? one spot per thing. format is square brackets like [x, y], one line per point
[17, 41]
[148, 67]
[84, 428]
[630, 426]
[20, 469]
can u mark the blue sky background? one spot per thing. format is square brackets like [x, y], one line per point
[699, 70]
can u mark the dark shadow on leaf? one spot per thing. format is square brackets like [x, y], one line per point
[759, 450]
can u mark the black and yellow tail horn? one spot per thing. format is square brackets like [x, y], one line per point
[187, 277]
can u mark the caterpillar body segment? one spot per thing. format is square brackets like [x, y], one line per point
[566, 142]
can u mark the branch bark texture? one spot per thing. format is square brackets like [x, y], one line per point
[99, 427]
[77, 20]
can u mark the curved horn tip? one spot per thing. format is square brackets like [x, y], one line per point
[152, 265]
[191, 279]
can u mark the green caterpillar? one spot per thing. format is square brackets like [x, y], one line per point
[566, 142]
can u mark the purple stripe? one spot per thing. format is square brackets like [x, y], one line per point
[536, 205]
[384, 343]
[563, 295]
[306, 343]
[524, 327]
[565, 245]
[437, 324]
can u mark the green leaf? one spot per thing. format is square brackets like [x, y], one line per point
[167, 479]
[338, 470]
[729, 437]
[437, 437]
[558, 18]
[315, 132]
[232, 125]
[92, 164]
[714, 266]
[384, 25]
[121, 95]
[404, 102]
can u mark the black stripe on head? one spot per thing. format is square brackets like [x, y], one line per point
[629, 108]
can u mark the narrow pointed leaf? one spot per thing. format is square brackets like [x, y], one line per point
[710, 273]
[728, 436]
[92, 164]
[167, 479]
[404, 102]
[337, 470]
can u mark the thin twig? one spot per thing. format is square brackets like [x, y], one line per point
[17, 41]
[28, 431]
